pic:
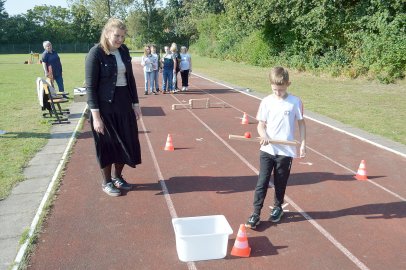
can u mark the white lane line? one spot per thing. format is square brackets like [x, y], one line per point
[323, 231]
[23, 249]
[332, 127]
[161, 179]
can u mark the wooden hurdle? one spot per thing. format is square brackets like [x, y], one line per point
[183, 106]
[199, 103]
[204, 101]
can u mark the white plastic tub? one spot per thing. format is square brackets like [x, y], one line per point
[201, 238]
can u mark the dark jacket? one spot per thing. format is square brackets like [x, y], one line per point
[101, 76]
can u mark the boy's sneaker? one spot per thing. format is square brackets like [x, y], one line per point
[276, 214]
[146, 93]
[253, 221]
[111, 190]
[120, 183]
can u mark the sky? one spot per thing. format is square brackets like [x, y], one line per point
[15, 7]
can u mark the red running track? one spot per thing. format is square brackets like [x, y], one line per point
[333, 221]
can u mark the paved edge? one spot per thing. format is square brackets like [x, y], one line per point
[33, 192]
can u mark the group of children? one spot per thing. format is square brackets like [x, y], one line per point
[170, 64]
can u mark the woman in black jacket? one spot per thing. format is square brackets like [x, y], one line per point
[113, 101]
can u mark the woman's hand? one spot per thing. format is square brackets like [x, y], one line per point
[98, 125]
[137, 112]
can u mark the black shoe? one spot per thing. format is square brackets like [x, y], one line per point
[146, 93]
[111, 190]
[120, 183]
[155, 93]
[253, 221]
[276, 214]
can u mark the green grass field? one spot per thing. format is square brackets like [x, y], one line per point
[376, 108]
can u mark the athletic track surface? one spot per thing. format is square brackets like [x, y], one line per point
[332, 221]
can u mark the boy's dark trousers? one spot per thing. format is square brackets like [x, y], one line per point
[280, 165]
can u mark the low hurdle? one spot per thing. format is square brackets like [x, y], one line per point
[199, 103]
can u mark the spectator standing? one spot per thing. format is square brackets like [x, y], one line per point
[176, 56]
[185, 67]
[51, 63]
[168, 70]
[156, 66]
[147, 62]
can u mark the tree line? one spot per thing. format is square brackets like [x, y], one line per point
[341, 37]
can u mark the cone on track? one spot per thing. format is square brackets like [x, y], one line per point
[244, 120]
[362, 171]
[169, 144]
[241, 247]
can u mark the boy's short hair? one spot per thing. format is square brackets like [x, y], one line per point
[279, 76]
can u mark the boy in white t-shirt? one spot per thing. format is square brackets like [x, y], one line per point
[276, 117]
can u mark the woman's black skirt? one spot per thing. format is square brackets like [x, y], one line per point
[120, 143]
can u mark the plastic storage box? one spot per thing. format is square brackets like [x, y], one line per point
[201, 238]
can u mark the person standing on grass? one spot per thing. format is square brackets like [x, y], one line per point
[113, 102]
[185, 67]
[168, 70]
[51, 63]
[147, 62]
[156, 67]
[276, 117]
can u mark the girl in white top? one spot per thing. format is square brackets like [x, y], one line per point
[185, 67]
[147, 62]
[155, 67]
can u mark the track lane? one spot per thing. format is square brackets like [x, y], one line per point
[204, 177]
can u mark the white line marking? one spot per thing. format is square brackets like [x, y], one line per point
[324, 232]
[34, 223]
[332, 127]
[167, 196]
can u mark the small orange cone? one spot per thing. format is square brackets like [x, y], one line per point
[362, 171]
[169, 144]
[241, 247]
[244, 120]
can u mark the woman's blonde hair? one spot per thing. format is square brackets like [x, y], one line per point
[111, 24]
[145, 50]
[174, 47]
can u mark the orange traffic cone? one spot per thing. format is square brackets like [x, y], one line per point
[244, 120]
[169, 144]
[241, 247]
[362, 171]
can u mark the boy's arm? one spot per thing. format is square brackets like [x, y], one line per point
[302, 132]
[261, 128]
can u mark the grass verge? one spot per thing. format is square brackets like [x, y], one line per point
[21, 115]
